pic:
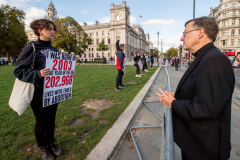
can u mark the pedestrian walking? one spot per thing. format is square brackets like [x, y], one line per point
[148, 60]
[235, 64]
[85, 60]
[172, 62]
[152, 61]
[176, 63]
[14, 61]
[45, 117]
[136, 60]
[3, 62]
[201, 105]
[144, 62]
[120, 65]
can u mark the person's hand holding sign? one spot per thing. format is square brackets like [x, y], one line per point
[166, 98]
[44, 72]
[74, 73]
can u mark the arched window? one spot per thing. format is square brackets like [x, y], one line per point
[92, 55]
[117, 17]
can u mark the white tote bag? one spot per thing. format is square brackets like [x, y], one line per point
[22, 93]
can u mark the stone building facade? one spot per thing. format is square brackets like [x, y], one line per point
[133, 37]
[227, 15]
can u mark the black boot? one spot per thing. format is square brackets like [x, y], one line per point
[54, 149]
[44, 154]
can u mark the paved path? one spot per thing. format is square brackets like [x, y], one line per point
[149, 139]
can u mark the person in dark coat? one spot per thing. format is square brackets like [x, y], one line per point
[120, 65]
[136, 60]
[152, 61]
[144, 62]
[201, 105]
[45, 117]
[176, 63]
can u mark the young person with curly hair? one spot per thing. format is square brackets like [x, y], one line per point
[45, 117]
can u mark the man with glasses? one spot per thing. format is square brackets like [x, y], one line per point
[201, 105]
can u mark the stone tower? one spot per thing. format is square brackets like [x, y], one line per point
[120, 14]
[51, 13]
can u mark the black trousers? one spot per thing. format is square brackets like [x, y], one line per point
[138, 69]
[119, 78]
[45, 118]
[185, 157]
[144, 65]
[176, 67]
[151, 64]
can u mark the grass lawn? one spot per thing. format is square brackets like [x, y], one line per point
[17, 140]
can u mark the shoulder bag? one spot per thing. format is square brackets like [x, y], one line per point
[22, 93]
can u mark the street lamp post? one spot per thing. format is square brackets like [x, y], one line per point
[158, 40]
[193, 9]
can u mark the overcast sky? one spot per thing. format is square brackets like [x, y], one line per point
[166, 16]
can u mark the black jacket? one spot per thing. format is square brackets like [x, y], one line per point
[143, 59]
[152, 59]
[176, 61]
[202, 109]
[136, 59]
[23, 70]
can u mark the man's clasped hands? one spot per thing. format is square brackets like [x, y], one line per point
[166, 98]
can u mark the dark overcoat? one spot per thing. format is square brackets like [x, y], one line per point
[202, 109]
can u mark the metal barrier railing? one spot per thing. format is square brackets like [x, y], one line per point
[184, 66]
[167, 149]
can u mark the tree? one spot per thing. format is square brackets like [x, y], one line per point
[69, 32]
[154, 52]
[172, 52]
[12, 34]
[102, 47]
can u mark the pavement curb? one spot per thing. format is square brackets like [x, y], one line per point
[115, 136]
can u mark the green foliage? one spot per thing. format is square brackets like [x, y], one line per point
[12, 33]
[172, 52]
[77, 61]
[69, 32]
[154, 52]
[102, 47]
[90, 82]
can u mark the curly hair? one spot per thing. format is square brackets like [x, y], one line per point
[42, 24]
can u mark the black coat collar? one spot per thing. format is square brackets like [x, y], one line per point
[199, 54]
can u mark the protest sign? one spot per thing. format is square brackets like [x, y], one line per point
[58, 83]
[140, 64]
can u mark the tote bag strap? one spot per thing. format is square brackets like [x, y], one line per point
[34, 55]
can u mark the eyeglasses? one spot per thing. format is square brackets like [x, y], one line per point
[184, 33]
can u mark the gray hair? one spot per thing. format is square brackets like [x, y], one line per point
[209, 25]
